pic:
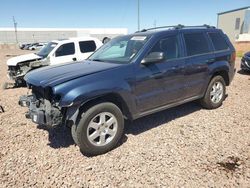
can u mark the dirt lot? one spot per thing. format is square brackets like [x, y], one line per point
[182, 147]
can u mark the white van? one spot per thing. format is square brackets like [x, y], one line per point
[55, 52]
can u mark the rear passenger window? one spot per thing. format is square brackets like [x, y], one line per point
[66, 49]
[169, 46]
[87, 46]
[196, 43]
[218, 41]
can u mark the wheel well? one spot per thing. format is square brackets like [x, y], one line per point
[113, 98]
[224, 75]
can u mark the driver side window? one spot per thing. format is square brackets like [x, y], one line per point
[169, 47]
[65, 49]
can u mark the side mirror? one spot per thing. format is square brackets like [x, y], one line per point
[153, 57]
[122, 45]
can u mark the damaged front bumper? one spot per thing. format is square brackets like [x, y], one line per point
[15, 72]
[41, 112]
[18, 72]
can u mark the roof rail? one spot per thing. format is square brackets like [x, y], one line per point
[200, 26]
[179, 26]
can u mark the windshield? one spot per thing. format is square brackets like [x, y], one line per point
[120, 50]
[44, 52]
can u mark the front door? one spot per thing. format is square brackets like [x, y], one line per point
[161, 83]
[64, 54]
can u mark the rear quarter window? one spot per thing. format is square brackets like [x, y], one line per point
[196, 43]
[218, 41]
[87, 46]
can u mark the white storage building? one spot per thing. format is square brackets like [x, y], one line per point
[235, 23]
[30, 35]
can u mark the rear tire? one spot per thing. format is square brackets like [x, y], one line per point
[99, 129]
[215, 93]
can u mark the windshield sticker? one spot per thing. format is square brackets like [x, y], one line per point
[138, 38]
[53, 45]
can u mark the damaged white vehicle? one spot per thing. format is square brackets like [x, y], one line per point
[55, 52]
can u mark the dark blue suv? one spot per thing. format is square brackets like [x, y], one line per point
[129, 77]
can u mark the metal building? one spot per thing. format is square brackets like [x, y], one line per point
[235, 23]
[28, 35]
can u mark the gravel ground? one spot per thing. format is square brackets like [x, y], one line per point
[181, 147]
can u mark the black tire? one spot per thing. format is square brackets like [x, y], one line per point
[81, 137]
[206, 101]
[73, 133]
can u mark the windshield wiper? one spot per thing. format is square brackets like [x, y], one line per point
[95, 60]
[38, 54]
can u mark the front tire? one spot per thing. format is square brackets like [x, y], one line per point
[215, 93]
[99, 129]
[73, 133]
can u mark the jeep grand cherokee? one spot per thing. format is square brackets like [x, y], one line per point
[129, 77]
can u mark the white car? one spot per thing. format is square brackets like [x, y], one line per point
[55, 52]
[37, 46]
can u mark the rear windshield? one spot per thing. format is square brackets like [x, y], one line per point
[218, 41]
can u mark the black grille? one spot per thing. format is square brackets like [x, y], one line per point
[38, 92]
[13, 70]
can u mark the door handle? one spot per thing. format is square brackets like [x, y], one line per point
[210, 61]
[74, 59]
[175, 67]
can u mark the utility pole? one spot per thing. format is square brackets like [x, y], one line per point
[154, 23]
[15, 27]
[138, 14]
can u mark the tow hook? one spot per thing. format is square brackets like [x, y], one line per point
[27, 115]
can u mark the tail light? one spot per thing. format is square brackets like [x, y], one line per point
[233, 57]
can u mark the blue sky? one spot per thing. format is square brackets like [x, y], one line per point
[112, 13]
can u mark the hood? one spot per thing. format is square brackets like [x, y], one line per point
[57, 74]
[18, 59]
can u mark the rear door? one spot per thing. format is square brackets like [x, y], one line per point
[199, 55]
[86, 49]
[221, 48]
